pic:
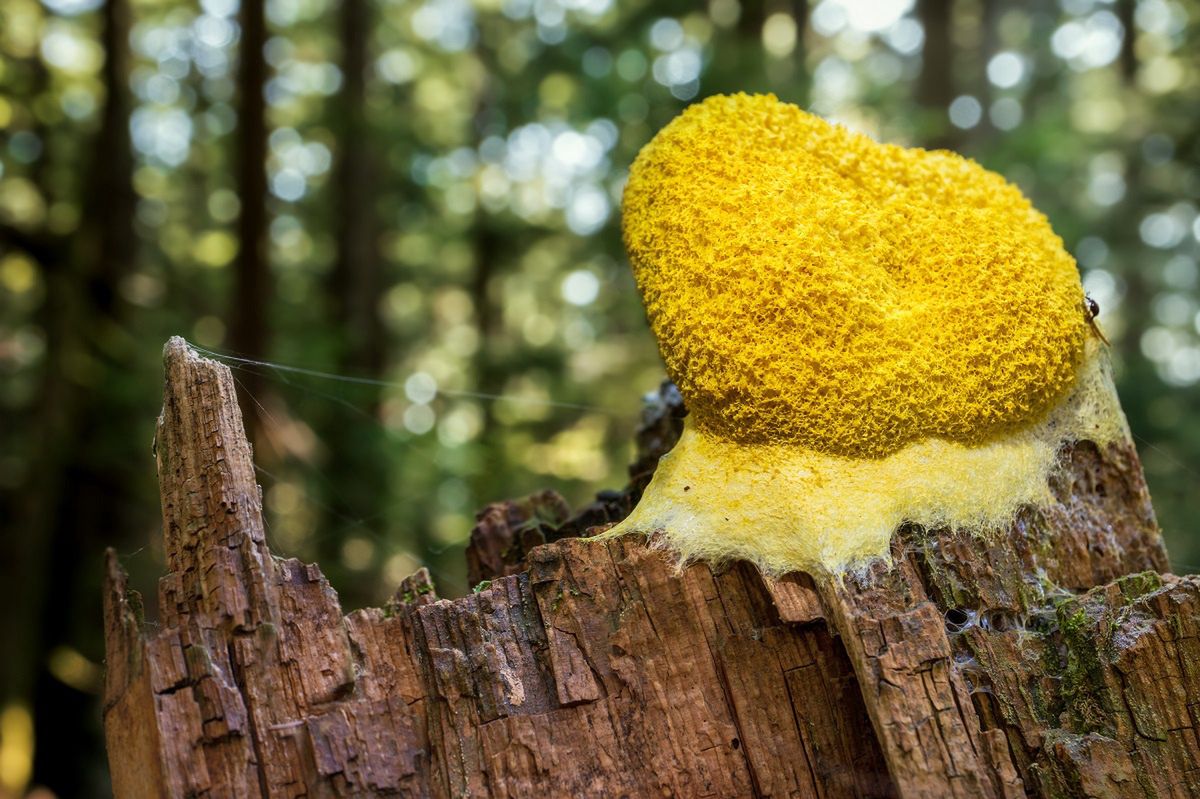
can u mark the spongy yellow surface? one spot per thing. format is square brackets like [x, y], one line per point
[786, 507]
[810, 286]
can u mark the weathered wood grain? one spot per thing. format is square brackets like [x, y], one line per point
[1055, 660]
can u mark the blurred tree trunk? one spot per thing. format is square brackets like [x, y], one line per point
[355, 280]
[32, 507]
[935, 84]
[800, 12]
[487, 254]
[1126, 12]
[788, 72]
[747, 67]
[989, 46]
[76, 499]
[250, 304]
[357, 468]
[1049, 659]
[486, 244]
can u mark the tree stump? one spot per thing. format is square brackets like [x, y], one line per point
[1055, 660]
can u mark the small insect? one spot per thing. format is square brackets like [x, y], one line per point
[1091, 309]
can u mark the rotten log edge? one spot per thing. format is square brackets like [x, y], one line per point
[1057, 659]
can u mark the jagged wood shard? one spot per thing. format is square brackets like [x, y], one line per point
[1055, 660]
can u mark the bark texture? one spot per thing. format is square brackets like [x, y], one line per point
[1056, 660]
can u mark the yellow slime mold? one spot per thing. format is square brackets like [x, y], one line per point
[864, 335]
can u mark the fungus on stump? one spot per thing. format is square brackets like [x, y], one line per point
[866, 335]
[970, 601]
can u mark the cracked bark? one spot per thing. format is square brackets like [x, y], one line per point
[1055, 660]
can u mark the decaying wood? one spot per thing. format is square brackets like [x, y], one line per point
[1057, 660]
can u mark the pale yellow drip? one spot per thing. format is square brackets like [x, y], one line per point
[787, 508]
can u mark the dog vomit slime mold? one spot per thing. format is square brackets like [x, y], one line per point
[864, 335]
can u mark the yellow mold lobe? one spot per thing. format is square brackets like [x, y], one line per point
[810, 286]
[864, 335]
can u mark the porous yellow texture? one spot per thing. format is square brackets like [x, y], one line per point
[865, 336]
[810, 286]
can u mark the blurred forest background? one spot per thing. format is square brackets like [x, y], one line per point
[425, 193]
